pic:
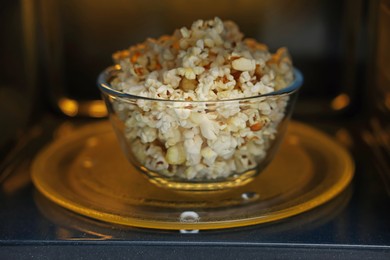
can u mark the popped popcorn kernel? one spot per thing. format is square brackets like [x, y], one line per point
[188, 84]
[208, 155]
[175, 155]
[243, 64]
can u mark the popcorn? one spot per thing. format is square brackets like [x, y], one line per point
[188, 84]
[147, 134]
[208, 155]
[243, 64]
[175, 155]
[192, 148]
[202, 130]
[190, 72]
[155, 158]
[208, 128]
[224, 145]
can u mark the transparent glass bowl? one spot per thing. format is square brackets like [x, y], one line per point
[199, 145]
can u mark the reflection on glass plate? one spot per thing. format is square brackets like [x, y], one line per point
[73, 226]
[86, 172]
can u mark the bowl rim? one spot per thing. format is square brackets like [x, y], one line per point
[105, 87]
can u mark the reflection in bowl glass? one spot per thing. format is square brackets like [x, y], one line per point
[199, 145]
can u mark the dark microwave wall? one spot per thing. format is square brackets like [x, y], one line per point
[17, 71]
[79, 36]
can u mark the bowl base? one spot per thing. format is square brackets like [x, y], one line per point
[213, 185]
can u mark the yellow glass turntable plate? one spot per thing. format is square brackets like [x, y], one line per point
[87, 173]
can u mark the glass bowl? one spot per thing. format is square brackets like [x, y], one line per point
[199, 145]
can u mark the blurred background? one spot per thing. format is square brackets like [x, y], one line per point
[52, 51]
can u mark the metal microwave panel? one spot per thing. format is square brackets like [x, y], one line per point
[382, 57]
[18, 68]
[80, 36]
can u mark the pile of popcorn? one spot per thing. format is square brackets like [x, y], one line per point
[197, 121]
